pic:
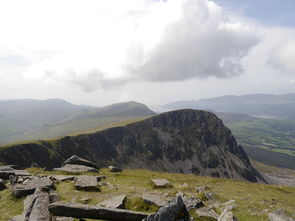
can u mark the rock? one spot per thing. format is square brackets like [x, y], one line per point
[73, 168]
[22, 173]
[27, 188]
[94, 212]
[79, 161]
[226, 215]
[2, 185]
[35, 207]
[8, 167]
[115, 169]
[154, 199]
[161, 183]
[207, 212]
[63, 178]
[85, 200]
[191, 202]
[209, 196]
[5, 174]
[279, 215]
[99, 178]
[201, 189]
[173, 211]
[117, 202]
[88, 183]
[64, 219]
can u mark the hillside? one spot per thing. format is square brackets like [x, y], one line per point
[266, 105]
[251, 201]
[41, 119]
[185, 141]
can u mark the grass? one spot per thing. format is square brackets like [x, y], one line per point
[254, 200]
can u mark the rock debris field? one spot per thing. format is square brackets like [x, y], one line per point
[78, 191]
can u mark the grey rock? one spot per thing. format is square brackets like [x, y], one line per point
[227, 215]
[64, 219]
[94, 212]
[63, 178]
[279, 215]
[8, 167]
[2, 185]
[161, 183]
[207, 212]
[73, 168]
[209, 196]
[27, 188]
[173, 211]
[116, 202]
[191, 202]
[88, 183]
[85, 200]
[154, 199]
[79, 161]
[115, 169]
[201, 189]
[5, 174]
[22, 173]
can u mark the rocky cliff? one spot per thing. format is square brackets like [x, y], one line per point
[183, 141]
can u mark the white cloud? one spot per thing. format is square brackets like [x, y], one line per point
[283, 56]
[103, 44]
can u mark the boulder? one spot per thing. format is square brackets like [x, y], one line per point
[201, 189]
[279, 215]
[8, 167]
[116, 202]
[88, 183]
[73, 168]
[94, 212]
[2, 185]
[27, 188]
[154, 199]
[79, 161]
[115, 169]
[4, 174]
[227, 215]
[207, 212]
[161, 183]
[190, 202]
[173, 211]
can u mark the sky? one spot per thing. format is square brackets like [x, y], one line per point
[99, 52]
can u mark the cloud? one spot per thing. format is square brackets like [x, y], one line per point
[159, 41]
[283, 56]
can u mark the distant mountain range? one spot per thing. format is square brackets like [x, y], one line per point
[28, 119]
[264, 105]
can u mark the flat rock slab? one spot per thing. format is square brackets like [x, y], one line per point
[63, 177]
[207, 212]
[94, 212]
[116, 202]
[35, 207]
[27, 188]
[79, 161]
[73, 168]
[154, 199]
[88, 183]
[8, 167]
[4, 174]
[161, 183]
[63, 219]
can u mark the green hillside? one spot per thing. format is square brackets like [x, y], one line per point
[33, 119]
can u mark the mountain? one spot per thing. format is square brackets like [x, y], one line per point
[184, 141]
[266, 105]
[29, 119]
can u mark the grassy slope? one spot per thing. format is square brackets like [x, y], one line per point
[273, 135]
[254, 200]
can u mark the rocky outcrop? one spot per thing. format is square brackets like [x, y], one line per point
[116, 202]
[183, 141]
[79, 161]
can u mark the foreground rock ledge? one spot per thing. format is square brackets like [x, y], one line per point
[94, 212]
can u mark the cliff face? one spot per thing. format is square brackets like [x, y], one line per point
[184, 141]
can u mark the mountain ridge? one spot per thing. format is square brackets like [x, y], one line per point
[185, 141]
